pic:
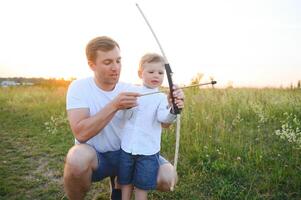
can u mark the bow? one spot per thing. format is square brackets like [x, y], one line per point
[176, 110]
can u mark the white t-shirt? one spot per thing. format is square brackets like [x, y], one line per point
[141, 134]
[84, 93]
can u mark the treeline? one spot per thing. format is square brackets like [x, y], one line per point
[44, 82]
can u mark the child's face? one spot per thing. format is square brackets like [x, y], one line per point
[152, 74]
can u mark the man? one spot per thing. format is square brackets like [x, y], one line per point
[94, 107]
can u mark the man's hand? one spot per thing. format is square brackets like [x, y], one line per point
[125, 100]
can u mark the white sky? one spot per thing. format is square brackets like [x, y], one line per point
[250, 43]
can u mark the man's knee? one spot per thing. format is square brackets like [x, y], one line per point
[79, 159]
[167, 177]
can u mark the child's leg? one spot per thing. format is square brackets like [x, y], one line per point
[125, 174]
[140, 194]
[126, 191]
[145, 176]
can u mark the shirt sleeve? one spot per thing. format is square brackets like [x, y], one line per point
[163, 112]
[76, 96]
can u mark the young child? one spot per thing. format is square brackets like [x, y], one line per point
[141, 135]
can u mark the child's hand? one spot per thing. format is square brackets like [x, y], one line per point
[179, 97]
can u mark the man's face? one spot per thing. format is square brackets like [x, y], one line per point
[107, 68]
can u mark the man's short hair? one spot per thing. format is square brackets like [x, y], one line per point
[102, 43]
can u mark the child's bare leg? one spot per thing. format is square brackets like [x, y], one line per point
[126, 191]
[140, 194]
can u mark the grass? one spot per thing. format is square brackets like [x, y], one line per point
[229, 148]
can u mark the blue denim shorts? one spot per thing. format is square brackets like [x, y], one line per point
[139, 170]
[108, 165]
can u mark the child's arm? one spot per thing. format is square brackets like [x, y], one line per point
[164, 115]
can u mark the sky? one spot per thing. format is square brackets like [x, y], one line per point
[254, 43]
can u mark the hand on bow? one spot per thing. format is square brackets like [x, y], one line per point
[179, 97]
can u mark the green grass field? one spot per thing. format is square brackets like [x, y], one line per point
[235, 144]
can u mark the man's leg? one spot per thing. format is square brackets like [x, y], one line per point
[115, 188]
[167, 177]
[80, 161]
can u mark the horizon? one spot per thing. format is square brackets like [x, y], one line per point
[216, 86]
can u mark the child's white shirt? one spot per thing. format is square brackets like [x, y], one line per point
[141, 134]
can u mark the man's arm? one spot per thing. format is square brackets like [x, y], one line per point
[85, 126]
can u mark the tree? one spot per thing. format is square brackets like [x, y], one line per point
[196, 79]
[229, 84]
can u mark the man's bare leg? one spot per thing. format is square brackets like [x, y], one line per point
[115, 188]
[80, 161]
[167, 177]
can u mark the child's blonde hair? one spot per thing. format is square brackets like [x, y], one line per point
[150, 58]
